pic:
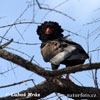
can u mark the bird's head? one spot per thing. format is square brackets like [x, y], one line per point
[49, 31]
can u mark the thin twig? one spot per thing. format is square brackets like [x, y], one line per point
[54, 8]
[95, 21]
[93, 76]
[95, 81]
[19, 32]
[95, 31]
[7, 70]
[18, 23]
[77, 80]
[15, 22]
[58, 96]
[94, 50]
[13, 70]
[16, 83]
[19, 51]
[24, 54]
[75, 33]
[21, 42]
[50, 9]
[6, 44]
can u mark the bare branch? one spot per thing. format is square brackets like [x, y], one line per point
[62, 86]
[21, 42]
[95, 81]
[45, 73]
[7, 70]
[15, 22]
[18, 23]
[55, 8]
[50, 9]
[94, 50]
[75, 33]
[16, 83]
[6, 44]
[92, 22]
[77, 80]
[19, 32]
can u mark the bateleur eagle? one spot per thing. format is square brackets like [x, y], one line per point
[57, 49]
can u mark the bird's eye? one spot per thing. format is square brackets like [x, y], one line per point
[48, 31]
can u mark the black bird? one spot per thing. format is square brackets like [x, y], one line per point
[56, 49]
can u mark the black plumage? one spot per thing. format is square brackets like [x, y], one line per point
[57, 30]
[56, 49]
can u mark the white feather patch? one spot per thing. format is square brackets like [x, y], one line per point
[62, 55]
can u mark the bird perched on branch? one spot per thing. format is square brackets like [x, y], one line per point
[57, 49]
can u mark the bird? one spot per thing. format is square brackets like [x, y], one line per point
[57, 48]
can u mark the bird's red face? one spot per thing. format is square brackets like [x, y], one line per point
[48, 31]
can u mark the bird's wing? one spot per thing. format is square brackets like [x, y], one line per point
[79, 53]
[61, 56]
[51, 49]
[56, 51]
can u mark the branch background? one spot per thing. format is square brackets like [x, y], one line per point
[86, 24]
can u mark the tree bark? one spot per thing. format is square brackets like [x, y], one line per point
[58, 85]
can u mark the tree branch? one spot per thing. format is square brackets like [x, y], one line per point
[51, 85]
[40, 71]
[62, 86]
[18, 23]
[16, 83]
[50, 9]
